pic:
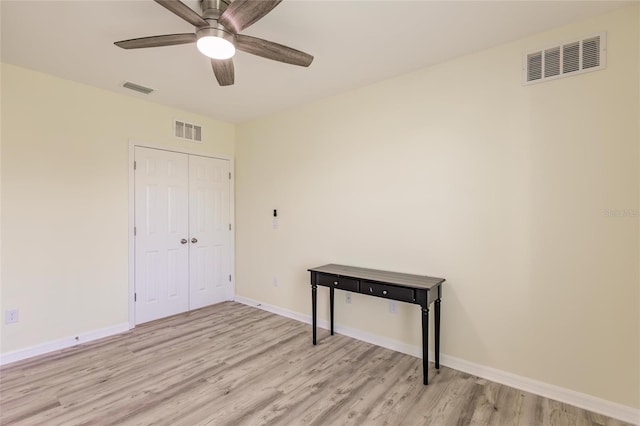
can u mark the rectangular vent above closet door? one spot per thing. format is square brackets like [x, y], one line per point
[565, 59]
[189, 131]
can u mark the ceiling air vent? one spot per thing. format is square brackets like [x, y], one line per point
[189, 131]
[565, 59]
[137, 87]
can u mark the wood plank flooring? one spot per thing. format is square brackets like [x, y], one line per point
[231, 364]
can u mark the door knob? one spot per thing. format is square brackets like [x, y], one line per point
[194, 240]
[183, 241]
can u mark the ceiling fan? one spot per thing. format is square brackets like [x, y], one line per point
[216, 34]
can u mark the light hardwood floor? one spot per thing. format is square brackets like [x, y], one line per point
[231, 364]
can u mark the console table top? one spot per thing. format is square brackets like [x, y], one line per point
[397, 278]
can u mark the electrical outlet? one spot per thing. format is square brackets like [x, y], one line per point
[274, 281]
[393, 306]
[348, 297]
[11, 316]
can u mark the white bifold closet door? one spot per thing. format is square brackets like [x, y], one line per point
[183, 236]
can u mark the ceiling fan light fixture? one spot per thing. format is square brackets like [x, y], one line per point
[216, 47]
[215, 43]
[217, 31]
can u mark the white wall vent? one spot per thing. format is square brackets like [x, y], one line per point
[189, 131]
[566, 59]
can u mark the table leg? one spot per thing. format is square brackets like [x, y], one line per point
[331, 307]
[437, 331]
[314, 299]
[425, 345]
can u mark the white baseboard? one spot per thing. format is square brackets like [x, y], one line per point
[64, 343]
[568, 396]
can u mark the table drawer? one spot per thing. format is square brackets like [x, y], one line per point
[388, 291]
[341, 283]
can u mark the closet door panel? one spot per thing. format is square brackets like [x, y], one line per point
[161, 220]
[209, 222]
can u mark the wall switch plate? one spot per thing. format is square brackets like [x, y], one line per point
[348, 297]
[275, 223]
[11, 316]
[393, 306]
[274, 281]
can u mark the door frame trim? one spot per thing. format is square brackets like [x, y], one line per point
[131, 223]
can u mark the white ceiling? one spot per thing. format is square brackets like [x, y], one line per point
[355, 43]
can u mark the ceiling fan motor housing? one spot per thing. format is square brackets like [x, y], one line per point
[212, 9]
[215, 30]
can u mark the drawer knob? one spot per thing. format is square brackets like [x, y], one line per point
[384, 291]
[335, 283]
[370, 290]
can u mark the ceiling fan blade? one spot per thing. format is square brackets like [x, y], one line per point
[183, 11]
[156, 41]
[242, 13]
[270, 50]
[223, 69]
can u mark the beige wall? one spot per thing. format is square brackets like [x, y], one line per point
[459, 171]
[65, 150]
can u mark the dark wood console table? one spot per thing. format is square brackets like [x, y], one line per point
[417, 289]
